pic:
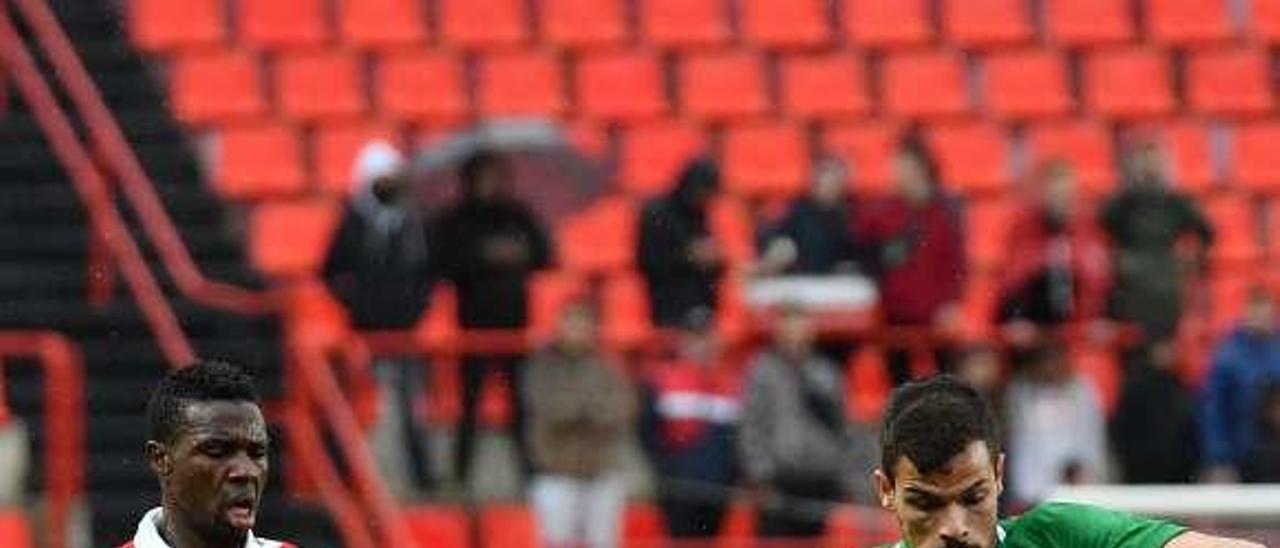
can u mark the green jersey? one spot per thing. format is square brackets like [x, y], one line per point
[1063, 525]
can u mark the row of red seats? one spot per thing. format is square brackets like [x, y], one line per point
[158, 25]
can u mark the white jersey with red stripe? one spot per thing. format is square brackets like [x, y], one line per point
[148, 535]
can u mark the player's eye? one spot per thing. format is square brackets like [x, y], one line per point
[257, 452]
[925, 504]
[215, 450]
[974, 499]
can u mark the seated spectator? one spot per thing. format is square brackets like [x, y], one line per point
[581, 413]
[1154, 430]
[981, 369]
[919, 249]
[1056, 428]
[680, 260]
[1262, 463]
[795, 441]
[813, 237]
[688, 424]
[379, 267]
[1245, 361]
[1145, 221]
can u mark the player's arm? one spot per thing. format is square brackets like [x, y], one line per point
[1192, 539]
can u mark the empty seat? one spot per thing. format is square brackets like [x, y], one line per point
[643, 526]
[14, 531]
[624, 305]
[868, 149]
[1184, 22]
[550, 293]
[282, 23]
[1129, 83]
[1230, 81]
[599, 239]
[1263, 20]
[621, 85]
[684, 23]
[730, 223]
[987, 222]
[483, 23]
[887, 23]
[1235, 229]
[421, 86]
[973, 157]
[1254, 166]
[653, 154]
[723, 85]
[1088, 22]
[507, 526]
[438, 526]
[216, 85]
[765, 159]
[289, 239]
[1085, 145]
[520, 84]
[924, 84]
[322, 84]
[162, 25]
[579, 23]
[382, 23]
[785, 23]
[1026, 84]
[825, 86]
[1189, 150]
[335, 147]
[258, 161]
[986, 23]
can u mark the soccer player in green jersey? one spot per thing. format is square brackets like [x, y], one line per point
[941, 472]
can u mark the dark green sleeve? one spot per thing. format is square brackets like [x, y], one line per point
[1063, 525]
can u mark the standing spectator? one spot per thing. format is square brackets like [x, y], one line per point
[1244, 362]
[1262, 464]
[378, 268]
[680, 260]
[1154, 431]
[489, 245]
[813, 237]
[1145, 220]
[1056, 428]
[919, 250]
[690, 415]
[581, 414]
[795, 441]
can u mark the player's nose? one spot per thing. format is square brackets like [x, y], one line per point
[953, 527]
[242, 468]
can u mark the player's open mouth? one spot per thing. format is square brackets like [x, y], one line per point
[240, 513]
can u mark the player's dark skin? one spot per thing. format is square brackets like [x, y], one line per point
[212, 473]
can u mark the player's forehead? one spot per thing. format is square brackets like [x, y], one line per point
[971, 468]
[224, 420]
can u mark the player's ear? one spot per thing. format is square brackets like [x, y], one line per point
[999, 473]
[158, 458]
[884, 490]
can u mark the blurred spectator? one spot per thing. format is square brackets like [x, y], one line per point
[489, 244]
[1145, 221]
[813, 237]
[1262, 464]
[1154, 431]
[919, 248]
[680, 260]
[795, 442]
[1245, 361]
[581, 413]
[980, 368]
[379, 267]
[1056, 428]
[690, 415]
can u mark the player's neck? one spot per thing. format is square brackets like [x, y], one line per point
[177, 534]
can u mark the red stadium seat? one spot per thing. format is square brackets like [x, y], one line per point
[621, 85]
[731, 225]
[643, 527]
[1026, 84]
[1186, 22]
[1190, 155]
[1235, 228]
[717, 86]
[583, 23]
[765, 160]
[1083, 144]
[684, 23]
[508, 526]
[867, 386]
[335, 147]
[258, 161]
[282, 23]
[1129, 83]
[289, 239]
[1263, 20]
[215, 86]
[163, 25]
[986, 23]
[653, 154]
[785, 23]
[438, 526]
[987, 232]
[319, 85]
[1088, 22]
[14, 531]
[887, 23]
[1230, 81]
[382, 23]
[1254, 166]
[550, 293]
[589, 137]
[624, 303]
[421, 86]
[868, 149]
[972, 156]
[483, 23]
[738, 529]
[925, 84]
[830, 85]
[520, 84]
[601, 239]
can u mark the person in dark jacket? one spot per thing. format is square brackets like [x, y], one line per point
[1262, 463]
[813, 237]
[1154, 431]
[380, 269]
[680, 260]
[489, 244]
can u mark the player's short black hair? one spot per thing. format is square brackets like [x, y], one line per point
[202, 381]
[932, 421]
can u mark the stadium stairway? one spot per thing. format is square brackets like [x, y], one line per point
[44, 245]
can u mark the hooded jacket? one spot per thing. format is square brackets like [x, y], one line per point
[668, 226]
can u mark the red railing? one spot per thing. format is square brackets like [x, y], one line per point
[64, 416]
